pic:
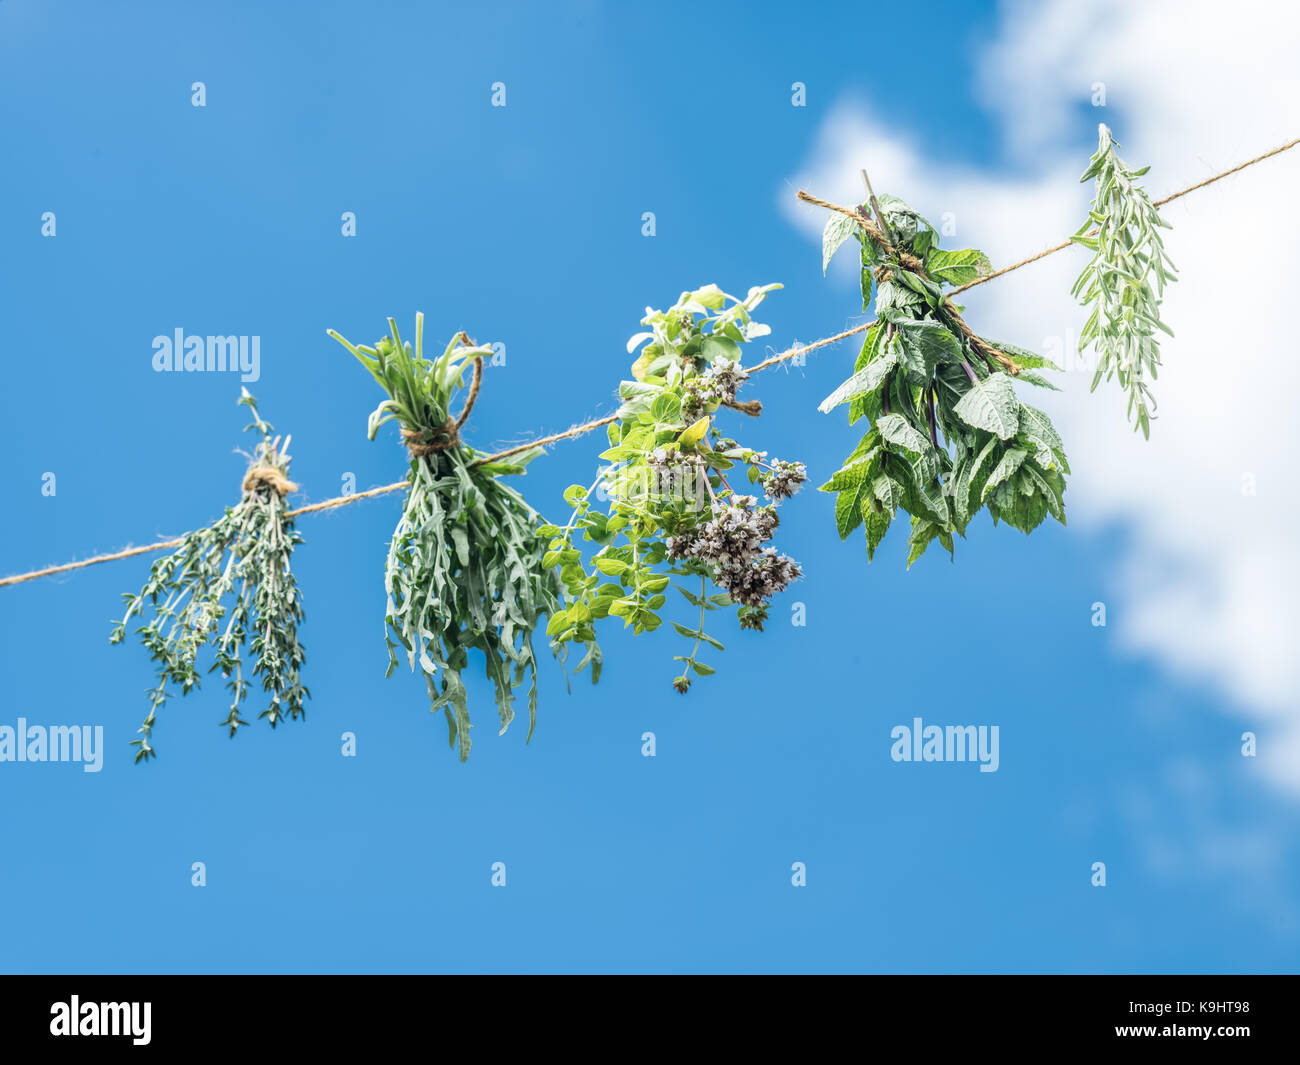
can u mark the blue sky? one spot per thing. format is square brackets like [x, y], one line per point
[522, 225]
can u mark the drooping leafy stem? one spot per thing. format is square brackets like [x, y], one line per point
[684, 681]
[921, 371]
[1123, 233]
[672, 509]
[464, 568]
[244, 554]
[692, 664]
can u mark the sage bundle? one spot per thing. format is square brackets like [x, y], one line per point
[923, 374]
[464, 568]
[1123, 233]
[229, 585]
[672, 510]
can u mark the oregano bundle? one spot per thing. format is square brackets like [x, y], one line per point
[229, 585]
[464, 568]
[672, 508]
[1123, 233]
[948, 433]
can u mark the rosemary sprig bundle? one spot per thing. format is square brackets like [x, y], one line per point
[464, 568]
[243, 557]
[923, 373]
[1123, 233]
[672, 509]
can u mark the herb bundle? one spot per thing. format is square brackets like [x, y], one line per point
[1123, 233]
[672, 508]
[244, 555]
[464, 567]
[922, 373]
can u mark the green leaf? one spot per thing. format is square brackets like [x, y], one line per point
[898, 430]
[923, 532]
[876, 525]
[666, 409]
[710, 296]
[839, 228]
[714, 348]
[1026, 359]
[970, 481]
[462, 544]
[848, 511]
[991, 405]
[925, 345]
[892, 295]
[865, 380]
[1037, 427]
[923, 500]
[1048, 491]
[693, 434]
[691, 597]
[957, 267]
[888, 491]
[1031, 378]
[1010, 462]
[851, 475]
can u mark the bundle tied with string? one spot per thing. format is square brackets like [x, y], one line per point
[422, 443]
[464, 569]
[230, 586]
[949, 435]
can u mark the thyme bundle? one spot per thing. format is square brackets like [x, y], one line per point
[672, 509]
[923, 372]
[244, 556]
[1123, 233]
[464, 568]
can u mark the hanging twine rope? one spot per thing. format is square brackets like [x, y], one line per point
[258, 475]
[452, 429]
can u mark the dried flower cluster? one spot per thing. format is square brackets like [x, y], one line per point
[733, 543]
[716, 386]
[784, 479]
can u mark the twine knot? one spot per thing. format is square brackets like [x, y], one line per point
[441, 440]
[270, 476]
[424, 442]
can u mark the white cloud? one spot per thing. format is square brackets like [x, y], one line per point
[1208, 579]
